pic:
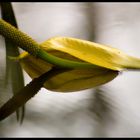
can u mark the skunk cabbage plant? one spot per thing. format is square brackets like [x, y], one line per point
[80, 64]
[63, 64]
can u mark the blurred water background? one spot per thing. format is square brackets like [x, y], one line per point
[111, 110]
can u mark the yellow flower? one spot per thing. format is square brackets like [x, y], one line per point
[107, 63]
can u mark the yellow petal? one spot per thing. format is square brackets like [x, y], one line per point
[97, 54]
[33, 66]
[67, 81]
[108, 60]
[79, 79]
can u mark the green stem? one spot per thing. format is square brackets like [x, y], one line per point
[63, 62]
[28, 44]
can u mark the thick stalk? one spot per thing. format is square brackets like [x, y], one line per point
[28, 44]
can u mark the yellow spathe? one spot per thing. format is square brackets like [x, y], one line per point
[109, 62]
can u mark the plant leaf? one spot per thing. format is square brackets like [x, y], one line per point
[13, 69]
[97, 54]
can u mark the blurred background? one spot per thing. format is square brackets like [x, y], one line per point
[111, 110]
